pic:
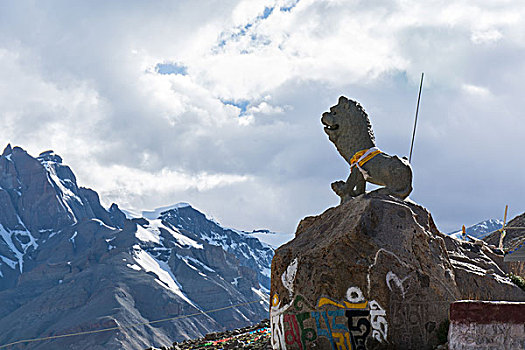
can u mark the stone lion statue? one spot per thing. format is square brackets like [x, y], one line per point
[348, 127]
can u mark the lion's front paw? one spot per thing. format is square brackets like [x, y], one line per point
[339, 187]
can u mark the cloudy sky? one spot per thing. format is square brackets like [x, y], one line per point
[218, 103]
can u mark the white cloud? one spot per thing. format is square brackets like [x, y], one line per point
[476, 90]
[246, 10]
[37, 111]
[265, 108]
[488, 36]
[118, 183]
[82, 80]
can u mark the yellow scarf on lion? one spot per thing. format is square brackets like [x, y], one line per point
[363, 156]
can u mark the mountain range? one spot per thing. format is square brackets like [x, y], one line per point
[69, 265]
[480, 230]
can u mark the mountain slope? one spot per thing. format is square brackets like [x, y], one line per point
[68, 265]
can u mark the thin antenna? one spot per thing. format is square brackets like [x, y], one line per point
[415, 121]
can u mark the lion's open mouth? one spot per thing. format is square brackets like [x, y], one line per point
[328, 121]
[331, 127]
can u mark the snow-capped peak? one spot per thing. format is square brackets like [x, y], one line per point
[155, 213]
[49, 156]
[481, 229]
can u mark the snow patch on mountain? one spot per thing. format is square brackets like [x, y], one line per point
[263, 294]
[131, 213]
[12, 239]
[72, 239]
[65, 187]
[188, 259]
[165, 277]
[152, 233]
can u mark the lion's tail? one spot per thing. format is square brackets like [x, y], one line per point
[405, 173]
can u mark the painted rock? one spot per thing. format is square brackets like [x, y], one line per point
[375, 273]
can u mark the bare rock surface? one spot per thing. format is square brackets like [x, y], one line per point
[375, 273]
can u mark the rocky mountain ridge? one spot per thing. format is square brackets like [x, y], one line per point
[67, 265]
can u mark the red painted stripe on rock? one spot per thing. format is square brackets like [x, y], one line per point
[485, 312]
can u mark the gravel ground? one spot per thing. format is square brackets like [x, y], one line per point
[254, 338]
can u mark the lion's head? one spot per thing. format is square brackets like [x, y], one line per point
[348, 127]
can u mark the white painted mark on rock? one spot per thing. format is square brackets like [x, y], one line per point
[378, 321]
[288, 276]
[392, 277]
[354, 295]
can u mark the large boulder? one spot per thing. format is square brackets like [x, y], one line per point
[375, 273]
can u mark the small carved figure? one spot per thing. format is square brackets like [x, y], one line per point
[348, 127]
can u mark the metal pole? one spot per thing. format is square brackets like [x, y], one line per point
[503, 232]
[415, 121]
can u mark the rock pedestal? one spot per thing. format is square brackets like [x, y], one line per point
[375, 273]
[480, 325]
